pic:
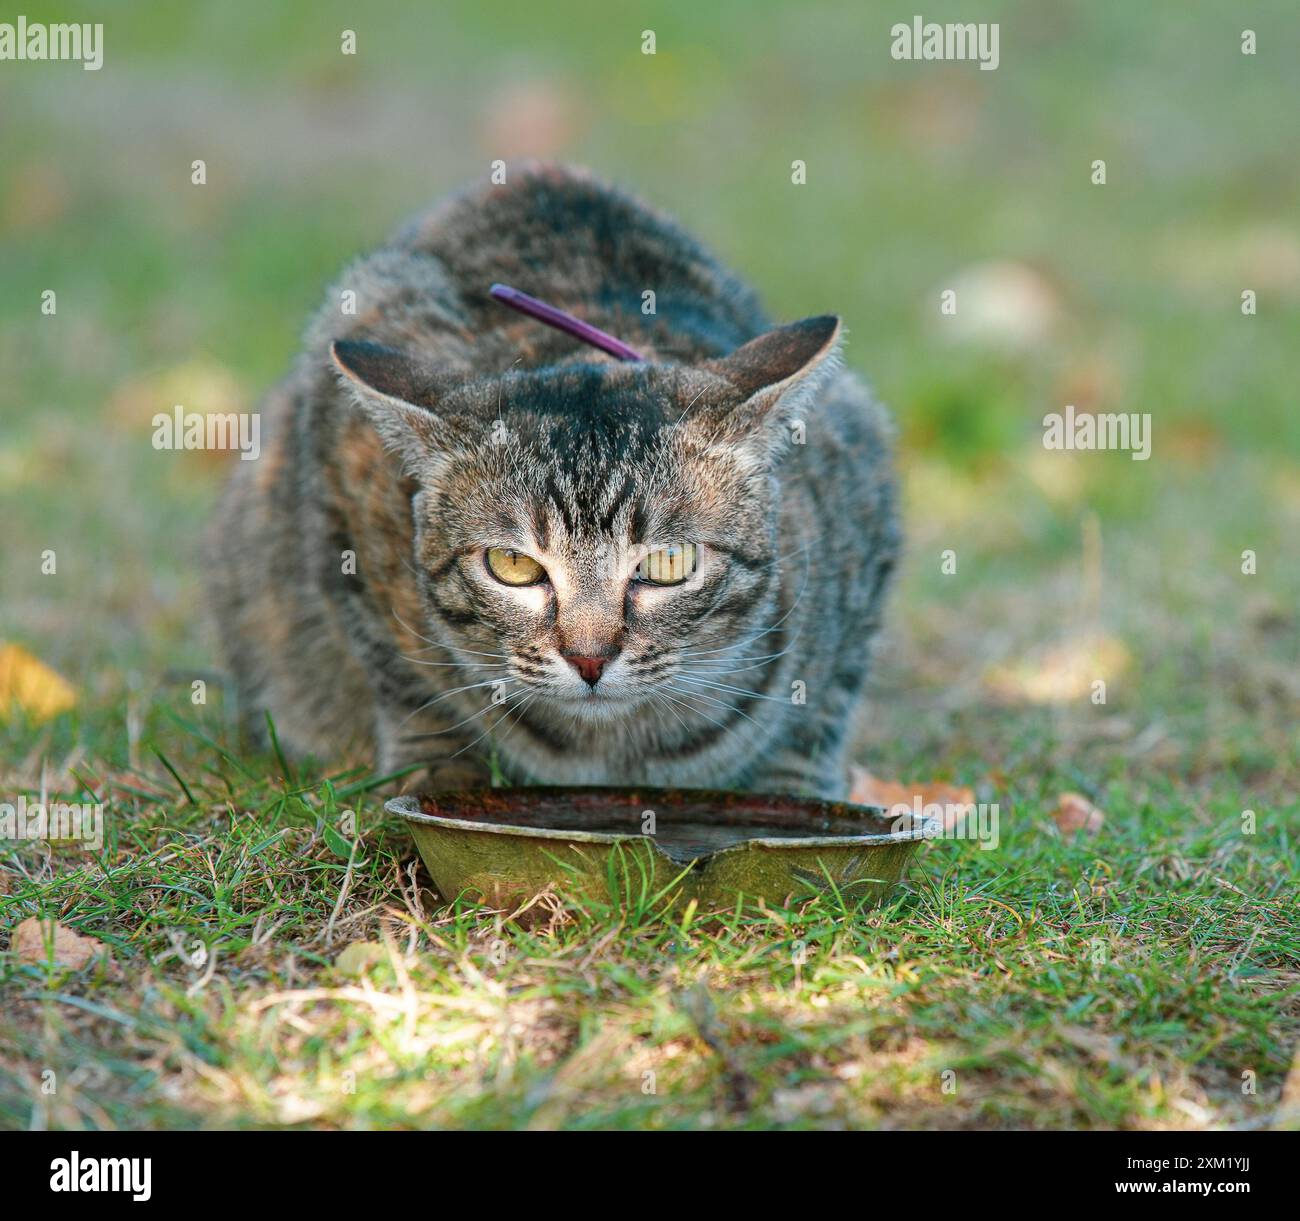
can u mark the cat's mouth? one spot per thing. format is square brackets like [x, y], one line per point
[598, 697]
[599, 703]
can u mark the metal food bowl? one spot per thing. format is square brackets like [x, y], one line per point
[504, 846]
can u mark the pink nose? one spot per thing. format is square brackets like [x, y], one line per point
[590, 668]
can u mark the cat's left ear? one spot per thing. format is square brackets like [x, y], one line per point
[398, 393]
[775, 376]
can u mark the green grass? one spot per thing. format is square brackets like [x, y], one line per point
[1144, 976]
[1129, 979]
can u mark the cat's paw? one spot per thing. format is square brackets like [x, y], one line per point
[444, 778]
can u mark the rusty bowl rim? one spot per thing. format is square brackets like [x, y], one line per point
[408, 807]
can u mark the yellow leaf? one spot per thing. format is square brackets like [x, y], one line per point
[1074, 812]
[36, 940]
[356, 958]
[30, 684]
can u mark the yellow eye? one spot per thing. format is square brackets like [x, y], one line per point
[669, 565]
[514, 567]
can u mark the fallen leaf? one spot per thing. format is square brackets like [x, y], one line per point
[1074, 812]
[31, 685]
[37, 940]
[353, 959]
[869, 790]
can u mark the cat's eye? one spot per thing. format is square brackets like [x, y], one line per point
[669, 565]
[514, 567]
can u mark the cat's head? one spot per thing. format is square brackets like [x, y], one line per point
[599, 534]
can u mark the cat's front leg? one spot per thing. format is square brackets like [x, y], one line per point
[444, 759]
[799, 776]
[812, 761]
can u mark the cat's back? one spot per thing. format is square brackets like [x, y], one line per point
[558, 233]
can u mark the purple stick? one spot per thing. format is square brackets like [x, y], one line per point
[563, 321]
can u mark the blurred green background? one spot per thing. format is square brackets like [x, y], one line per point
[921, 176]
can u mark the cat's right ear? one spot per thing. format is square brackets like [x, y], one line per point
[772, 378]
[398, 393]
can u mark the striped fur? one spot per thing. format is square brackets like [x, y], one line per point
[448, 424]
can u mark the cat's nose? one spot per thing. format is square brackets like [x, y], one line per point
[590, 667]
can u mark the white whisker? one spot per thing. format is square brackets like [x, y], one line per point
[727, 687]
[437, 699]
[716, 702]
[438, 644]
[696, 711]
[512, 703]
[436, 733]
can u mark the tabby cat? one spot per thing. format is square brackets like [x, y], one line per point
[473, 542]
